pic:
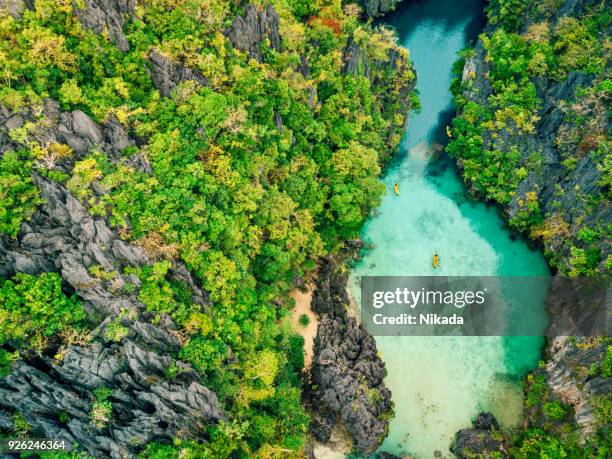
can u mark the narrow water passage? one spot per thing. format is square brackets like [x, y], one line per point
[440, 383]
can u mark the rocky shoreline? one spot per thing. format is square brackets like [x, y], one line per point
[347, 375]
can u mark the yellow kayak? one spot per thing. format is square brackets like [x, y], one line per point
[436, 261]
[396, 189]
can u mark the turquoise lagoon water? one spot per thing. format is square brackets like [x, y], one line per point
[440, 383]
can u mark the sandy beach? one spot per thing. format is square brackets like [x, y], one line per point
[302, 306]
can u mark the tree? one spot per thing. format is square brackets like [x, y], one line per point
[34, 309]
[18, 195]
[355, 188]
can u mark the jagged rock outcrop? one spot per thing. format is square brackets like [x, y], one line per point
[106, 16]
[146, 406]
[6, 421]
[374, 8]
[166, 74]
[62, 236]
[481, 441]
[347, 374]
[569, 379]
[322, 423]
[257, 27]
[75, 129]
[357, 61]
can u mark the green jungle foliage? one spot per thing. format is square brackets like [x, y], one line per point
[489, 137]
[18, 194]
[248, 203]
[34, 311]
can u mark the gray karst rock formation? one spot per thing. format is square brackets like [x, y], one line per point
[347, 371]
[146, 406]
[107, 16]
[256, 27]
[374, 8]
[569, 380]
[482, 440]
[62, 236]
[167, 74]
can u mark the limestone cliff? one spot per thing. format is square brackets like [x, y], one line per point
[560, 196]
[374, 8]
[531, 133]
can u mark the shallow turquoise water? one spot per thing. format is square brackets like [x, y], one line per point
[440, 383]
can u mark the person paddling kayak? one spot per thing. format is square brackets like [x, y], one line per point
[436, 261]
[396, 188]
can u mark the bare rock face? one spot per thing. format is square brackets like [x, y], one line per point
[166, 74]
[75, 129]
[107, 16]
[347, 373]
[60, 131]
[374, 8]
[358, 62]
[146, 406]
[251, 30]
[481, 441]
[15, 7]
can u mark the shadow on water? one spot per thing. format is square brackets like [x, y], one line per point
[411, 13]
[438, 132]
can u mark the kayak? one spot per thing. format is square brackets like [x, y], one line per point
[396, 189]
[436, 261]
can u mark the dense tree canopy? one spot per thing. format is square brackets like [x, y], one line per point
[255, 168]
